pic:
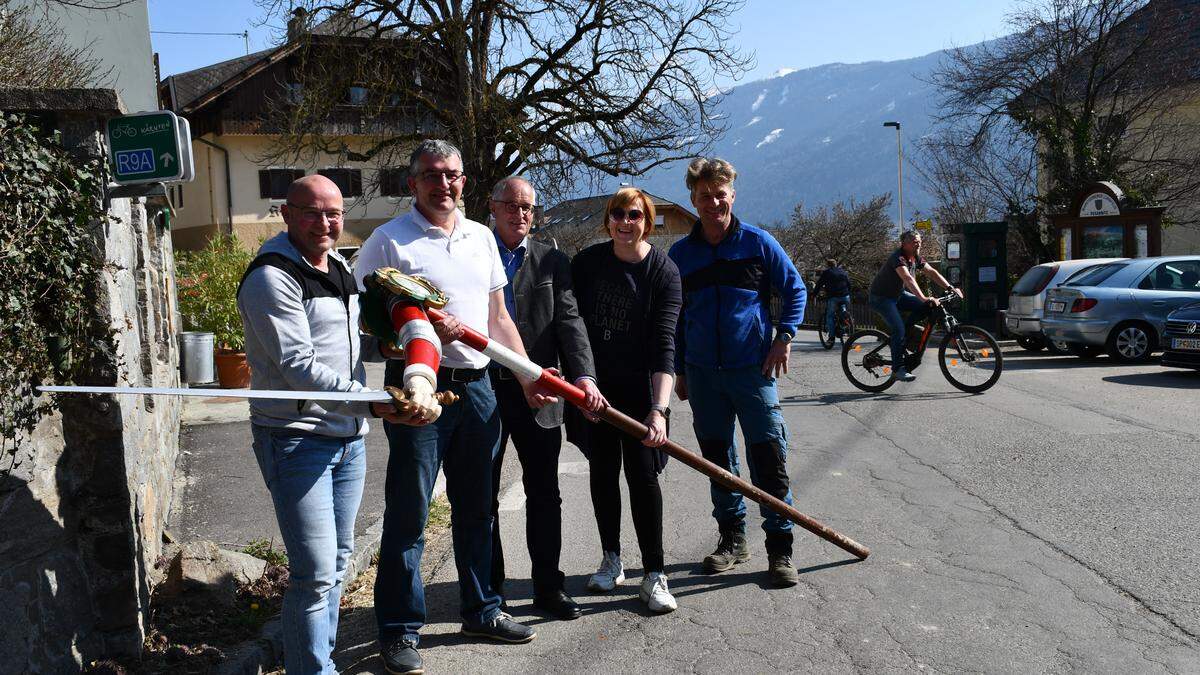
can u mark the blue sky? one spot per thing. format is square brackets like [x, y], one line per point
[783, 33]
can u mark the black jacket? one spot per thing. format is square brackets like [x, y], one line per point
[835, 281]
[547, 317]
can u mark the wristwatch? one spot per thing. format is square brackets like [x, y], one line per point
[784, 336]
[664, 410]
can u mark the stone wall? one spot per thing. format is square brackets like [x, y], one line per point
[83, 509]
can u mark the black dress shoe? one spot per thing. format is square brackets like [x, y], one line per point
[559, 605]
[501, 628]
[400, 657]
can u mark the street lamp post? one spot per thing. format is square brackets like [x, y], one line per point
[899, 168]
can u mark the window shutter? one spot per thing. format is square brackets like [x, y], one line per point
[264, 184]
[356, 182]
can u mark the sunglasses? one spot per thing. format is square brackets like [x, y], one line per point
[618, 214]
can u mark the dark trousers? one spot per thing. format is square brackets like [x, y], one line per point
[463, 442]
[537, 450]
[892, 310]
[607, 450]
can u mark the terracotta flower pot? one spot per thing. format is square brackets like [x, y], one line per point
[232, 370]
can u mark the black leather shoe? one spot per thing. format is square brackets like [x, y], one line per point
[501, 628]
[400, 657]
[559, 605]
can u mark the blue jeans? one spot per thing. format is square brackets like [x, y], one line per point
[889, 309]
[831, 304]
[316, 484]
[717, 396]
[463, 441]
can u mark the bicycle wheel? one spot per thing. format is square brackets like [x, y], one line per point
[824, 336]
[970, 359]
[867, 360]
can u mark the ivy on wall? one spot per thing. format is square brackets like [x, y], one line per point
[51, 215]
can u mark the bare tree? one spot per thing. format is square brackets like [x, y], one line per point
[562, 90]
[35, 54]
[1084, 89]
[857, 234]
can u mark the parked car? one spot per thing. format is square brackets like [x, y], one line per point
[1121, 306]
[1027, 300]
[1181, 339]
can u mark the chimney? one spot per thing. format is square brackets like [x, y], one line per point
[297, 26]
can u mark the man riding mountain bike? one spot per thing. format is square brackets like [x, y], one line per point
[895, 290]
[836, 283]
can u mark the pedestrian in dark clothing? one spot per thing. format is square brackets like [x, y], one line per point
[540, 301]
[629, 296]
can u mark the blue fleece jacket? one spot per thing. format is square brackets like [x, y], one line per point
[726, 317]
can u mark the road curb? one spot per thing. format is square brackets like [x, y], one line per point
[265, 653]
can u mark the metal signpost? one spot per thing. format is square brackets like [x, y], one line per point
[150, 147]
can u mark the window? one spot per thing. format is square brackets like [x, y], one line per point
[1181, 275]
[273, 183]
[953, 250]
[175, 192]
[393, 182]
[1096, 275]
[1035, 280]
[294, 92]
[659, 221]
[356, 95]
[349, 181]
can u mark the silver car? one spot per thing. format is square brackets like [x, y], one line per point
[1023, 319]
[1121, 306]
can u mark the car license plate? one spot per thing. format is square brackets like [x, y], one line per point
[1186, 343]
[1056, 306]
[1013, 323]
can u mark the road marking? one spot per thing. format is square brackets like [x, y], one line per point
[513, 498]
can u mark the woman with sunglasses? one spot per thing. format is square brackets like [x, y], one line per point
[629, 296]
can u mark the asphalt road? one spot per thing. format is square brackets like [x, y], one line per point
[1048, 525]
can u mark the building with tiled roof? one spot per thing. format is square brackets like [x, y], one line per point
[581, 221]
[1176, 26]
[231, 107]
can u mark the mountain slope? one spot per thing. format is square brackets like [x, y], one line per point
[816, 135]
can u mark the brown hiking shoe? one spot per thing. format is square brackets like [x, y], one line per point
[731, 550]
[781, 571]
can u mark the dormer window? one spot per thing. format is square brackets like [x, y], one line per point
[356, 95]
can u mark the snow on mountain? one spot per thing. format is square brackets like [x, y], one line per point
[827, 141]
[769, 138]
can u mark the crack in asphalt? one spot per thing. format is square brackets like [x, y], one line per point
[1016, 523]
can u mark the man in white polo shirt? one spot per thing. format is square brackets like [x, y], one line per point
[436, 241]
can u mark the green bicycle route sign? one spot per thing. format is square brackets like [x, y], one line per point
[150, 147]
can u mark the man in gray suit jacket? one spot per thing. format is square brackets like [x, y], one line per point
[541, 302]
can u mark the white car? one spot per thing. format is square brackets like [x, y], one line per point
[1027, 300]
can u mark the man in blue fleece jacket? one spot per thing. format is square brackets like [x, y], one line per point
[728, 353]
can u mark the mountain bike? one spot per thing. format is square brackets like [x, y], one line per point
[843, 326]
[968, 355]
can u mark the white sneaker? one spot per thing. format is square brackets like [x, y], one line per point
[655, 593]
[610, 574]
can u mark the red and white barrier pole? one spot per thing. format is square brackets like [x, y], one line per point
[527, 369]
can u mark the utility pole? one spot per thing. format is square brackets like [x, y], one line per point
[899, 169]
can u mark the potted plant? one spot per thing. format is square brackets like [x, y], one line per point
[208, 283]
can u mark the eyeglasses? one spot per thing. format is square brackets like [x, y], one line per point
[515, 207]
[437, 176]
[618, 214]
[306, 213]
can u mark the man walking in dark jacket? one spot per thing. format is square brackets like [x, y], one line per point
[727, 356]
[836, 283]
[540, 301]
